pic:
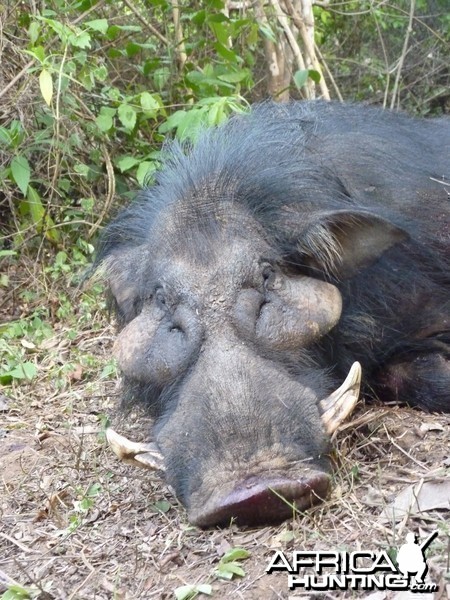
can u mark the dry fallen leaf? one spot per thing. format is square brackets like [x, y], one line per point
[76, 374]
[420, 497]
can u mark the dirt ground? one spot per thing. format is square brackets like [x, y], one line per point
[77, 524]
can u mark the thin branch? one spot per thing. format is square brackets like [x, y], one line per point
[109, 196]
[329, 73]
[274, 58]
[284, 22]
[95, 6]
[403, 54]
[179, 38]
[309, 45]
[386, 61]
[23, 547]
[14, 80]
[148, 25]
[56, 137]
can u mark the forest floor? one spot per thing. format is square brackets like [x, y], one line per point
[77, 524]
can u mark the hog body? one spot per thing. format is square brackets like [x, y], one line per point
[264, 261]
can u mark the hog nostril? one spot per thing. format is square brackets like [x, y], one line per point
[264, 501]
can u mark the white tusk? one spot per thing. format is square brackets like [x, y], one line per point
[337, 407]
[145, 456]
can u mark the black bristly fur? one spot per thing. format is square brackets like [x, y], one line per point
[345, 194]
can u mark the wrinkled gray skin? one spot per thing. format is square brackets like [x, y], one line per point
[218, 318]
[255, 272]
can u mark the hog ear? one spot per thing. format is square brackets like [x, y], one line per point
[341, 243]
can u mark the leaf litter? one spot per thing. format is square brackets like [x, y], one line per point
[77, 524]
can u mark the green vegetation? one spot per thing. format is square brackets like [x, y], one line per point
[228, 567]
[89, 91]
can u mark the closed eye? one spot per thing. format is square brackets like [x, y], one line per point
[160, 299]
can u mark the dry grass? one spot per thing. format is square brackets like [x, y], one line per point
[76, 524]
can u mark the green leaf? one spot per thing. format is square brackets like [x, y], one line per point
[217, 17]
[144, 171]
[199, 17]
[126, 162]
[161, 77]
[217, 4]
[205, 588]
[26, 370]
[233, 77]
[35, 206]
[132, 49]
[107, 371]
[314, 75]
[39, 217]
[5, 136]
[185, 592]
[220, 31]
[149, 104]
[188, 592]
[87, 204]
[33, 31]
[113, 53]
[80, 39]
[46, 86]
[81, 169]
[191, 125]
[114, 94]
[195, 77]
[235, 554]
[94, 490]
[162, 505]
[108, 110]
[104, 121]
[228, 567]
[130, 28]
[101, 73]
[172, 122]
[16, 592]
[127, 116]
[267, 32]
[225, 52]
[20, 170]
[252, 36]
[301, 77]
[100, 25]
[38, 52]
[229, 570]
[216, 114]
[61, 30]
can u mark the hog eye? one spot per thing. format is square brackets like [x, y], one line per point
[269, 277]
[137, 306]
[160, 298]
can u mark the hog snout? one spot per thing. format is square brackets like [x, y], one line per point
[263, 500]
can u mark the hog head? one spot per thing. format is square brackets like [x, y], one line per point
[221, 340]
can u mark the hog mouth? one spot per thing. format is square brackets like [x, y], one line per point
[263, 501]
[265, 498]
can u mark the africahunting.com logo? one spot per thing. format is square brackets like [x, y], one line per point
[325, 570]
